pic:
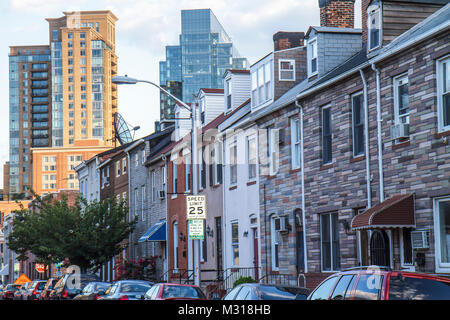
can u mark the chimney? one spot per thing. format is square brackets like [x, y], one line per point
[287, 40]
[364, 5]
[337, 13]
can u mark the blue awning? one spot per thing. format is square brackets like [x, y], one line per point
[156, 233]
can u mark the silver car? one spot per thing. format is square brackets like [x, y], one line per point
[127, 290]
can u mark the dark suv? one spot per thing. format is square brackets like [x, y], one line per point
[68, 286]
[380, 283]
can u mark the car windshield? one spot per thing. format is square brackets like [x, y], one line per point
[280, 293]
[182, 292]
[134, 287]
[102, 286]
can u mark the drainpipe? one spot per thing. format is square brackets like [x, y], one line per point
[366, 136]
[302, 170]
[380, 143]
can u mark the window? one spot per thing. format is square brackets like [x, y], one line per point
[124, 165]
[55, 34]
[358, 124]
[261, 84]
[70, 35]
[286, 70]
[153, 177]
[118, 169]
[187, 174]
[144, 200]
[142, 156]
[218, 163]
[374, 28]
[201, 169]
[312, 57]
[442, 234]
[401, 99]
[295, 143]
[228, 87]
[407, 288]
[274, 242]
[174, 178]
[233, 164]
[326, 135]
[163, 178]
[175, 245]
[235, 242]
[254, 88]
[267, 80]
[368, 287]
[273, 151]
[136, 202]
[82, 35]
[329, 240]
[443, 93]
[251, 157]
[343, 287]
[323, 291]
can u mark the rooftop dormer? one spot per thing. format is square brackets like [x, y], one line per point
[210, 103]
[236, 89]
[385, 20]
[183, 122]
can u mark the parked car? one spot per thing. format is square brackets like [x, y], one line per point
[380, 283]
[64, 290]
[18, 295]
[48, 288]
[34, 290]
[8, 291]
[127, 290]
[174, 291]
[257, 291]
[93, 291]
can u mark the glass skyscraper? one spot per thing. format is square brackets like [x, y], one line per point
[200, 60]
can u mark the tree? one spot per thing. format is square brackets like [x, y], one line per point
[88, 234]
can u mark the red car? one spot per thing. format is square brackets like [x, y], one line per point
[174, 291]
[381, 283]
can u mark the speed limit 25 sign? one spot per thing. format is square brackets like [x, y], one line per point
[195, 207]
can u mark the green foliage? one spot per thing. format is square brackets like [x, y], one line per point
[244, 280]
[87, 234]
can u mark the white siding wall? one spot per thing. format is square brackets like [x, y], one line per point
[241, 90]
[213, 106]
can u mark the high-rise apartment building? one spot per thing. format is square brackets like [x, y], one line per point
[29, 113]
[69, 100]
[200, 60]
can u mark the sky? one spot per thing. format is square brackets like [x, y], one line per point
[143, 30]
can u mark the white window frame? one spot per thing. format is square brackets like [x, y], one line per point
[274, 149]
[187, 173]
[280, 70]
[175, 247]
[440, 91]
[153, 177]
[312, 54]
[218, 161]
[144, 198]
[441, 267]
[371, 11]
[136, 202]
[233, 164]
[234, 244]
[295, 142]
[136, 159]
[174, 179]
[163, 178]
[228, 93]
[143, 156]
[274, 244]
[397, 82]
[124, 165]
[250, 157]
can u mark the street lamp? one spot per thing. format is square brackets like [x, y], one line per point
[128, 80]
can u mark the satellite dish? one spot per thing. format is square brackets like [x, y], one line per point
[122, 129]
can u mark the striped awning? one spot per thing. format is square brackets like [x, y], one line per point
[395, 212]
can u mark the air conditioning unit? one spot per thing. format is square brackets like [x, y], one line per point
[281, 224]
[162, 194]
[400, 130]
[419, 239]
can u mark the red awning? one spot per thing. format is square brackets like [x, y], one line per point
[395, 212]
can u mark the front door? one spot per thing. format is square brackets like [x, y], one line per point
[255, 253]
[379, 248]
[219, 247]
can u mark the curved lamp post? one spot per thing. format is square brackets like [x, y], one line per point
[128, 80]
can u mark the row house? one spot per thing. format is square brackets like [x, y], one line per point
[361, 175]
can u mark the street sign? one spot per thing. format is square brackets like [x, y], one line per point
[40, 267]
[196, 231]
[196, 207]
